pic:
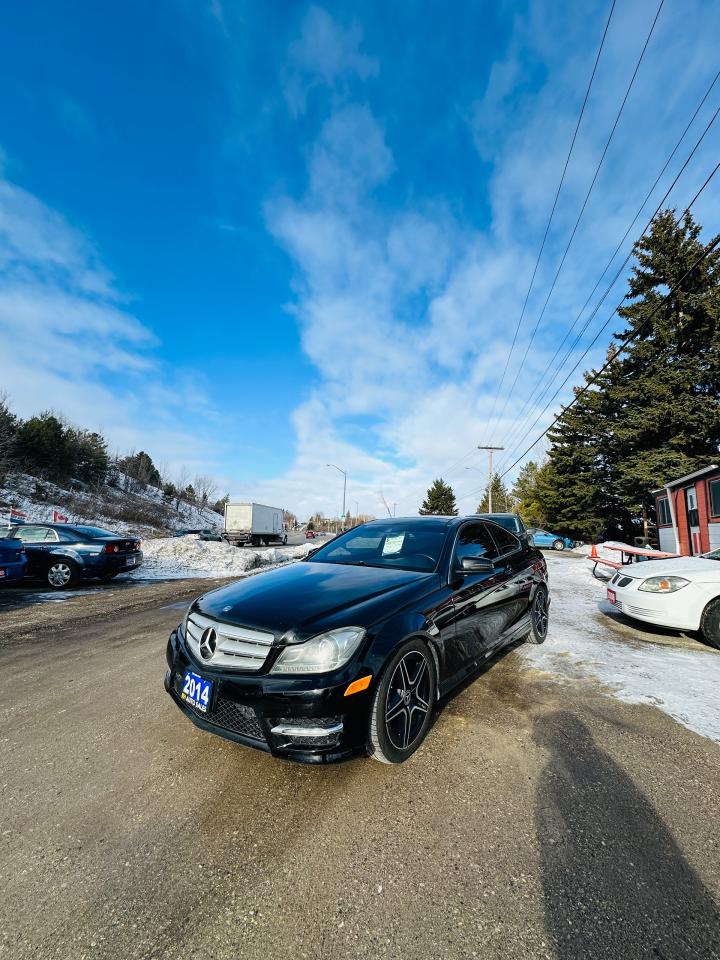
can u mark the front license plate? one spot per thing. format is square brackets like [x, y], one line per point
[196, 691]
[131, 561]
[611, 596]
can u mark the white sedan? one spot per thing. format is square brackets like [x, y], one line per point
[682, 593]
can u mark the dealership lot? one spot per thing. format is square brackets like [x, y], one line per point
[543, 817]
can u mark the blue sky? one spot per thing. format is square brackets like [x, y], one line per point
[253, 238]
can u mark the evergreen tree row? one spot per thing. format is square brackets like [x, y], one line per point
[654, 414]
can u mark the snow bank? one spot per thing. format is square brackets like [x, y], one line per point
[173, 558]
[582, 642]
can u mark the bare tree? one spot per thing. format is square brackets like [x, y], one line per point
[181, 481]
[205, 489]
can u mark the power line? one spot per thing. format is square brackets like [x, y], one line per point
[708, 250]
[552, 211]
[584, 205]
[620, 348]
[511, 442]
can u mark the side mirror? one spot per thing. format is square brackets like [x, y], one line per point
[477, 565]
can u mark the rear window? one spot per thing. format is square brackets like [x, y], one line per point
[96, 532]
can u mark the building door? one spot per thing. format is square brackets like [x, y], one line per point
[693, 520]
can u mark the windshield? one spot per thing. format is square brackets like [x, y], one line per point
[401, 544]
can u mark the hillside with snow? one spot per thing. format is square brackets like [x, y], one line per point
[125, 506]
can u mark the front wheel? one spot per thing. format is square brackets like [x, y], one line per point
[710, 624]
[403, 703]
[539, 617]
[62, 574]
[558, 545]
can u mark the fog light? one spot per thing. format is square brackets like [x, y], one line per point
[307, 731]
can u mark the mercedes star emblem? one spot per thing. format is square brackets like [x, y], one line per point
[208, 643]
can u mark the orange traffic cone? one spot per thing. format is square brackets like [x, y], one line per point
[593, 552]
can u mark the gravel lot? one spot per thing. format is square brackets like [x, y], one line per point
[541, 819]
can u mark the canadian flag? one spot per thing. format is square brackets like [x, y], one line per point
[17, 514]
[59, 518]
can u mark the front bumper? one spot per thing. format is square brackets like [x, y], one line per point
[670, 610]
[307, 719]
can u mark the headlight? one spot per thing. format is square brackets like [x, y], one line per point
[320, 654]
[663, 584]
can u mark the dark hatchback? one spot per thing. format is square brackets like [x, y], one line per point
[62, 554]
[349, 650]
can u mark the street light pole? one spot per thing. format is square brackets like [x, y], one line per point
[344, 485]
[490, 472]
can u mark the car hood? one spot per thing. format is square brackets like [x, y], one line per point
[307, 597]
[692, 568]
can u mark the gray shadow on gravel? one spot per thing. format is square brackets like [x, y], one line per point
[615, 883]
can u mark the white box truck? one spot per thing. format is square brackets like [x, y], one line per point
[254, 523]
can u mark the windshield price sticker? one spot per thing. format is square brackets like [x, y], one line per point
[393, 544]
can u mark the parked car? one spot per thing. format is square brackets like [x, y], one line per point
[554, 541]
[682, 593]
[511, 521]
[63, 554]
[349, 650]
[310, 534]
[13, 560]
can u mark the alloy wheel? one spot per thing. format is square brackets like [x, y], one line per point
[408, 700]
[540, 613]
[59, 575]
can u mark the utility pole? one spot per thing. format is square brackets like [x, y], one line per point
[357, 509]
[490, 451]
[344, 485]
[394, 506]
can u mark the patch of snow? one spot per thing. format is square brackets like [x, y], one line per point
[173, 558]
[581, 643]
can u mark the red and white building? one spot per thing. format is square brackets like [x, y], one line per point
[688, 513]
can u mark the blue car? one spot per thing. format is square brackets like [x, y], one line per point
[13, 561]
[550, 541]
[63, 554]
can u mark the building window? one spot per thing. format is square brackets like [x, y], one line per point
[715, 498]
[663, 511]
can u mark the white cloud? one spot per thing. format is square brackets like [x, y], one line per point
[406, 311]
[70, 343]
[325, 54]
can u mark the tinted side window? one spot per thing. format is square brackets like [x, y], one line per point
[506, 542]
[474, 540]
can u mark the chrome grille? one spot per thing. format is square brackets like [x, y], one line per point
[238, 648]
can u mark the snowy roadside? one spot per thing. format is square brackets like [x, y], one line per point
[581, 644]
[178, 558]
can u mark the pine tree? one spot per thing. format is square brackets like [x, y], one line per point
[526, 495]
[666, 384]
[440, 500]
[501, 498]
[654, 413]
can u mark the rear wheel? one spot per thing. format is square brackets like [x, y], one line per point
[710, 623]
[402, 706]
[62, 574]
[106, 578]
[539, 617]
[558, 545]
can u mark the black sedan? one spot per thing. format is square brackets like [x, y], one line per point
[348, 650]
[63, 554]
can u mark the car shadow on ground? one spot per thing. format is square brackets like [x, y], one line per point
[615, 883]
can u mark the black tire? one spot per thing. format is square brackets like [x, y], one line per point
[401, 715]
[539, 617]
[108, 577]
[62, 573]
[558, 545]
[710, 624]
[284, 539]
[255, 541]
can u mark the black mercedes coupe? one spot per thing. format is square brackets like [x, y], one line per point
[349, 650]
